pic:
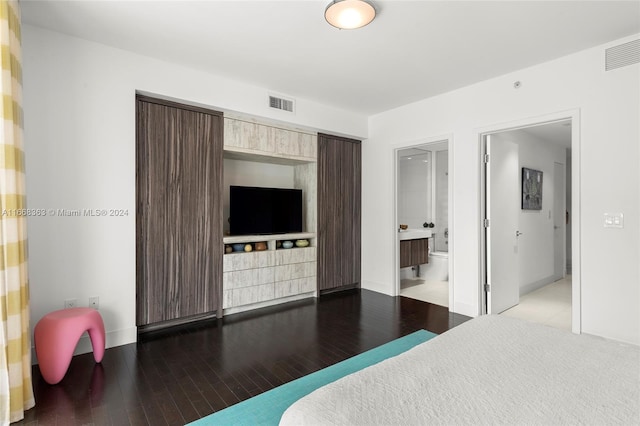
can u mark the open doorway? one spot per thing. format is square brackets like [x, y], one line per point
[527, 201]
[422, 194]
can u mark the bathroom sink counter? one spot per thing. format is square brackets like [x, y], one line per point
[414, 234]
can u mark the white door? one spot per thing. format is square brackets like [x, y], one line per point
[503, 209]
[559, 220]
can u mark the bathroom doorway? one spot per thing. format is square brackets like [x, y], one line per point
[528, 266]
[422, 194]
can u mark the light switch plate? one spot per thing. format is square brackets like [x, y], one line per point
[613, 220]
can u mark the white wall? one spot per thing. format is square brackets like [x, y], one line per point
[609, 130]
[536, 244]
[251, 173]
[80, 154]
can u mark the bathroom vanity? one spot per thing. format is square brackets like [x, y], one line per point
[414, 247]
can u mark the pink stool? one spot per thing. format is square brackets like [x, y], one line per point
[57, 334]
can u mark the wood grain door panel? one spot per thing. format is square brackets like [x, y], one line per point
[405, 254]
[414, 252]
[179, 210]
[339, 212]
[420, 251]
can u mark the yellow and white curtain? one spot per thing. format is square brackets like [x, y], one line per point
[16, 391]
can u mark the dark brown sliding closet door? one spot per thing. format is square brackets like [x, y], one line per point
[179, 152]
[339, 200]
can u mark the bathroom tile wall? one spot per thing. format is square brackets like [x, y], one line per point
[414, 190]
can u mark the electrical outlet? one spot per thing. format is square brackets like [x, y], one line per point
[94, 302]
[71, 303]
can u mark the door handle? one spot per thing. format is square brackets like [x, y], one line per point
[518, 233]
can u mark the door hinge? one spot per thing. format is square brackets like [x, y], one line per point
[486, 159]
[486, 223]
[487, 288]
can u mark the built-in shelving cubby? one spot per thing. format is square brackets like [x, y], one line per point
[274, 275]
[264, 276]
[270, 240]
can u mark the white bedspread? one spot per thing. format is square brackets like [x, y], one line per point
[490, 370]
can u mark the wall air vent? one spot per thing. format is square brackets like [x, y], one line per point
[281, 103]
[622, 55]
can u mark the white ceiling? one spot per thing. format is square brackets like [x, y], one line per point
[412, 50]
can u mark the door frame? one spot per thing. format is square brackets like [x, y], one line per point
[576, 271]
[448, 138]
[563, 191]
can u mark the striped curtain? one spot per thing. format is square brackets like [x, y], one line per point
[16, 392]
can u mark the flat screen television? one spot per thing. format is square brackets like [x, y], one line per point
[255, 211]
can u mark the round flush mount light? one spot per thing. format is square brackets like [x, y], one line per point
[349, 14]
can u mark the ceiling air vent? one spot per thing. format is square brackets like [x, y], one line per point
[622, 55]
[281, 103]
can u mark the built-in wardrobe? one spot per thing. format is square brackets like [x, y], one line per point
[339, 213]
[180, 257]
[179, 179]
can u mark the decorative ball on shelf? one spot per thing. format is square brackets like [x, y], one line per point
[228, 248]
[302, 243]
[278, 244]
[261, 246]
[248, 247]
[238, 247]
[287, 244]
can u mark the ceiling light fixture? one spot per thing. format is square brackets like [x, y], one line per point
[349, 14]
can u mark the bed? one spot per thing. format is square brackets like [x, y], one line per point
[490, 370]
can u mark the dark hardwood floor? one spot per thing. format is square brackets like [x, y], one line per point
[178, 376]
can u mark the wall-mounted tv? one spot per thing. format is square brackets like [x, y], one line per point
[255, 211]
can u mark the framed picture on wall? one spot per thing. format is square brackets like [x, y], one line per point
[531, 189]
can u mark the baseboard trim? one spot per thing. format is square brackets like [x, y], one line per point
[245, 308]
[148, 328]
[113, 338]
[354, 286]
[377, 287]
[464, 309]
[528, 288]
